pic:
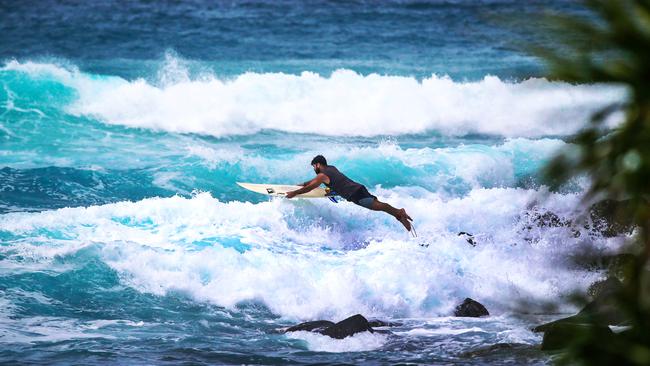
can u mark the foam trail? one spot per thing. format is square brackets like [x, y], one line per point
[343, 104]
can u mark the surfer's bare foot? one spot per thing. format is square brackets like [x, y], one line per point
[404, 219]
[403, 212]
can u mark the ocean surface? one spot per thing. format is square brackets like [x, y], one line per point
[125, 125]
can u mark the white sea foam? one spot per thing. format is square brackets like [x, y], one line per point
[359, 342]
[45, 329]
[311, 259]
[422, 332]
[342, 104]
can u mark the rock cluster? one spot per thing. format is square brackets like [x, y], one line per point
[358, 323]
[345, 328]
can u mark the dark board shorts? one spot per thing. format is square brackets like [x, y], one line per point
[363, 198]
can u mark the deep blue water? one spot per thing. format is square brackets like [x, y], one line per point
[124, 127]
[463, 39]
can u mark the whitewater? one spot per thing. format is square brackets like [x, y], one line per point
[344, 103]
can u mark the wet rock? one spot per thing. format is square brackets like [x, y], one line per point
[470, 308]
[619, 265]
[615, 264]
[314, 326]
[549, 219]
[595, 318]
[560, 335]
[571, 320]
[604, 308]
[538, 218]
[606, 218]
[350, 326]
[609, 219]
[345, 328]
[604, 288]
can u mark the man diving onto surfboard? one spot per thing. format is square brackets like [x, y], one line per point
[348, 189]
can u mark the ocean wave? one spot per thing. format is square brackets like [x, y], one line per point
[344, 103]
[309, 259]
[140, 170]
[457, 168]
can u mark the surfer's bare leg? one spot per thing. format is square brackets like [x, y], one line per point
[400, 214]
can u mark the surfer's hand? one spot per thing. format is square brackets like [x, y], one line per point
[290, 195]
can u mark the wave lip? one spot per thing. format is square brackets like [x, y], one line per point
[343, 104]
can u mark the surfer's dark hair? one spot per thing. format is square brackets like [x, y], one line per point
[319, 159]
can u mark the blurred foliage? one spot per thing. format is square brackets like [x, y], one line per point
[611, 46]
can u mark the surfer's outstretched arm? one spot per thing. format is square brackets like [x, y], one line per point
[314, 183]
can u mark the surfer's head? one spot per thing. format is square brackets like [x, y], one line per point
[318, 162]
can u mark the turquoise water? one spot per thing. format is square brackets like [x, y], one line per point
[125, 240]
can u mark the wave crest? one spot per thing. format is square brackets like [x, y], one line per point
[343, 104]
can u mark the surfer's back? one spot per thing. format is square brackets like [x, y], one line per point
[340, 183]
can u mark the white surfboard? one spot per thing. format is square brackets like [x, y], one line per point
[280, 190]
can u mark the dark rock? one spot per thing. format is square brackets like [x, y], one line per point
[619, 265]
[468, 237]
[571, 320]
[538, 218]
[615, 264]
[604, 309]
[549, 219]
[470, 308]
[604, 288]
[345, 328]
[314, 326]
[560, 335]
[350, 326]
[609, 219]
[581, 320]
[375, 323]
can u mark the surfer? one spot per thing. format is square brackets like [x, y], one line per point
[348, 189]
